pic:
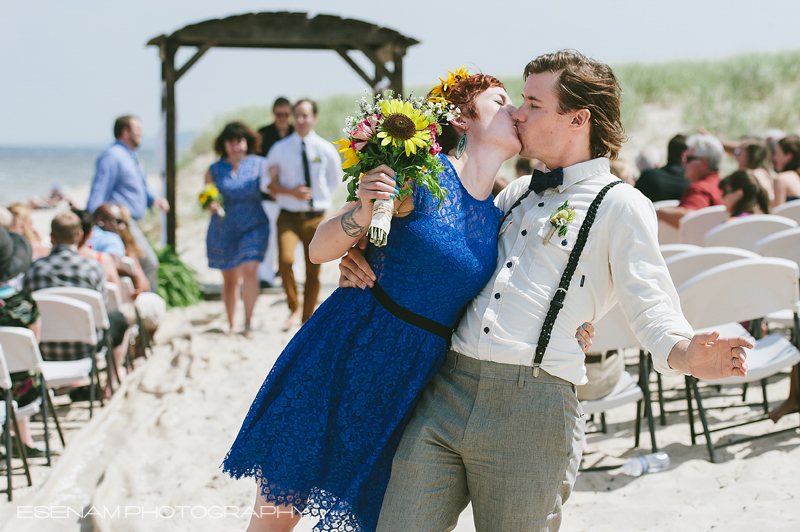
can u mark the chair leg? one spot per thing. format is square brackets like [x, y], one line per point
[7, 443]
[22, 452]
[744, 392]
[92, 391]
[662, 411]
[111, 364]
[690, 409]
[638, 429]
[764, 395]
[54, 414]
[701, 411]
[645, 368]
[603, 426]
[44, 421]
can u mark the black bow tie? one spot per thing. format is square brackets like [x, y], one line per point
[541, 181]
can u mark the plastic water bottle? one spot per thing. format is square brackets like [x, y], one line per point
[651, 463]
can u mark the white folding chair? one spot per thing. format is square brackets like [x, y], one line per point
[8, 416]
[22, 354]
[668, 250]
[684, 266]
[114, 297]
[745, 232]
[65, 319]
[738, 291]
[667, 234]
[94, 299]
[694, 226]
[127, 289]
[612, 332]
[785, 245]
[790, 209]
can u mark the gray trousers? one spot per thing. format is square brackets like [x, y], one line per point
[150, 261]
[493, 434]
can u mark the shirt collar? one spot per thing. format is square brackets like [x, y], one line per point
[58, 248]
[124, 146]
[582, 171]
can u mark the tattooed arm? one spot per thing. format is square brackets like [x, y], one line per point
[338, 233]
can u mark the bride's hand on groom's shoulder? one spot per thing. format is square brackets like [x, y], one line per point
[354, 270]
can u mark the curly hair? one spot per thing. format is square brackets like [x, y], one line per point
[236, 131]
[584, 83]
[463, 95]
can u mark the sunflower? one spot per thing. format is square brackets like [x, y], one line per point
[403, 126]
[350, 155]
[439, 92]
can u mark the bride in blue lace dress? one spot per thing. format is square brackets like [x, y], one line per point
[321, 433]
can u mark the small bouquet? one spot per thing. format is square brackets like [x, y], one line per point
[560, 220]
[400, 133]
[210, 194]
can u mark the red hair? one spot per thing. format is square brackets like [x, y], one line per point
[463, 95]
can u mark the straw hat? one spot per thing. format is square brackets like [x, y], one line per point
[15, 255]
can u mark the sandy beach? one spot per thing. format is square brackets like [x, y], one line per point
[149, 460]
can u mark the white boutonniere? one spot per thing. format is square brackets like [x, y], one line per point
[560, 219]
[317, 159]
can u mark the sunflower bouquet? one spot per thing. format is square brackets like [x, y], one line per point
[210, 194]
[400, 133]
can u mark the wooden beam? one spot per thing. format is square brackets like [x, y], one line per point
[342, 52]
[380, 68]
[188, 64]
[168, 109]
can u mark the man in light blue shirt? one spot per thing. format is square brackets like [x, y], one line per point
[120, 179]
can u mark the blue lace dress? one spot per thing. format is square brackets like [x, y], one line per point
[244, 232]
[322, 431]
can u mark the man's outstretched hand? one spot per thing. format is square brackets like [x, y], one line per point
[707, 356]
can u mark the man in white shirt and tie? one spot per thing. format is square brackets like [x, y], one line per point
[500, 424]
[304, 170]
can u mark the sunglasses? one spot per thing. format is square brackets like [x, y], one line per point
[281, 115]
[690, 158]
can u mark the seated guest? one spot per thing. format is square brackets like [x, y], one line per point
[85, 250]
[117, 239]
[752, 154]
[18, 309]
[65, 267]
[648, 158]
[743, 194]
[23, 225]
[701, 162]
[667, 182]
[786, 158]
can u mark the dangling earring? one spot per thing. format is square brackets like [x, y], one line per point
[462, 145]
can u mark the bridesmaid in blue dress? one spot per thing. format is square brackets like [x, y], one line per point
[321, 433]
[237, 242]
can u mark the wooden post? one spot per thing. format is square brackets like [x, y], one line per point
[397, 75]
[168, 108]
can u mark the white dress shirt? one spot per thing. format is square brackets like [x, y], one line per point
[324, 167]
[621, 261]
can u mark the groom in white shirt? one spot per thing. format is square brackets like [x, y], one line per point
[495, 427]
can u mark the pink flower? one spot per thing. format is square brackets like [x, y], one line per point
[435, 148]
[364, 132]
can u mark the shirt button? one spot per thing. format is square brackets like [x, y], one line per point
[541, 204]
[509, 264]
[486, 330]
[497, 296]
[524, 232]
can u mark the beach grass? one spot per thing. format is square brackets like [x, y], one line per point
[731, 97]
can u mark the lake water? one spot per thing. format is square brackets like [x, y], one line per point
[33, 171]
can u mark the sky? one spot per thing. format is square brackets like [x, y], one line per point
[69, 68]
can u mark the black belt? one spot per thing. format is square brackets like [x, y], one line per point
[304, 214]
[409, 317]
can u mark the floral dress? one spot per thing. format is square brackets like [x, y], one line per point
[18, 309]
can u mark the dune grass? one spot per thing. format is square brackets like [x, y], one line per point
[731, 97]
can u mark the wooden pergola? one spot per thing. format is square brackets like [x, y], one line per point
[383, 47]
